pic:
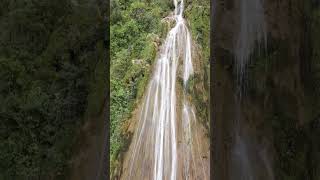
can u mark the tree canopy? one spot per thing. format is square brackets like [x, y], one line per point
[52, 77]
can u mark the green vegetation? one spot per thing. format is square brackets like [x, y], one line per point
[137, 30]
[198, 16]
[52, 79]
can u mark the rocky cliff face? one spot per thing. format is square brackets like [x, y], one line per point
[197, 16]
[280, 107]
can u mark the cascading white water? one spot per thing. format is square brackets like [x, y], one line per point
[252, 32]
[155, 152]
[249, 159]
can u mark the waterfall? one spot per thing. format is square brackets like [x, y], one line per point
[155, 152]
[250, 160]
[252, 32]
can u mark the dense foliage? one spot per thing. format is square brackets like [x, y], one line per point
[137, 30]
[52, 77]
[197, 13]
